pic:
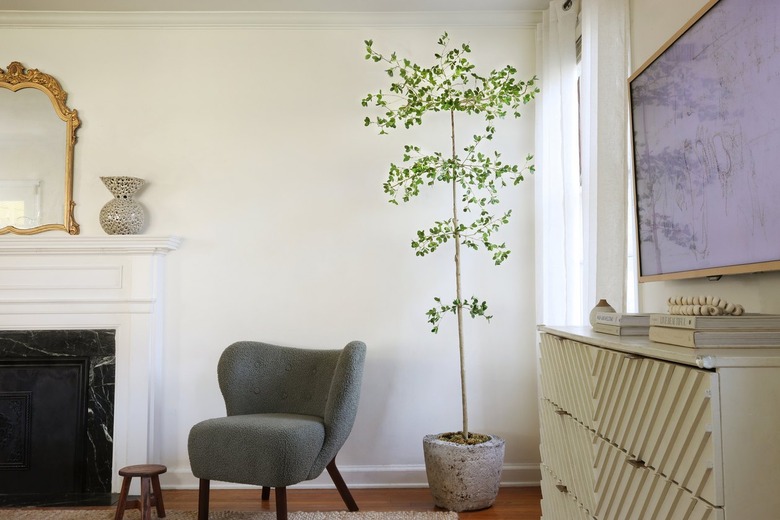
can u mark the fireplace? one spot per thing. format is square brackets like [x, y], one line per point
[94, 291]
[56, 416]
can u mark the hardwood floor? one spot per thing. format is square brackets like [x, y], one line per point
[513, 503]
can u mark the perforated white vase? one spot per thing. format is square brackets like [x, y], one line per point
[122, 215]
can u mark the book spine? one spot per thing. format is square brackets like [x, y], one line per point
[672, 336]
[673, 320]
[608, 318]
[617, 318]
[618, 330]
[606, 328]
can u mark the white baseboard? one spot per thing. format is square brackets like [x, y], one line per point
[398, 476]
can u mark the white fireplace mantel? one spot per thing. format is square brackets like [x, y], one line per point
[112, 282]
[68, 245]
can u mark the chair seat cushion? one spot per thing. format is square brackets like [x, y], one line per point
[272, 450]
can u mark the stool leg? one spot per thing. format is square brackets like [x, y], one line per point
[158, 499]
[146, 499]
[266, 493]
[122, 504]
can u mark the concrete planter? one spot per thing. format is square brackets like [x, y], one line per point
[463, 477]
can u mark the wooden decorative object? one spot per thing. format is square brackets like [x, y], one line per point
[704, 306]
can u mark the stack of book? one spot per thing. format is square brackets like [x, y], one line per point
[746, 331]
[622, 324]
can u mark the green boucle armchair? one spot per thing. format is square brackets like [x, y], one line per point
[289, 411]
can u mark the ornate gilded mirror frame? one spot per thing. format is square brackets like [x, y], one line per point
[17, 78]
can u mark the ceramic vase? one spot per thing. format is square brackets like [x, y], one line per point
[601, 306]
[122, 215]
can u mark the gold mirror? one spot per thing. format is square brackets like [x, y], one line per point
[36, 153]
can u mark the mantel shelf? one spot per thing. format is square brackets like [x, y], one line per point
[66, 245]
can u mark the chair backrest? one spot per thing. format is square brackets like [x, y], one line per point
[342, 405]
[257, 377]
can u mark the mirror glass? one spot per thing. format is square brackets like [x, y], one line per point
[37, 138]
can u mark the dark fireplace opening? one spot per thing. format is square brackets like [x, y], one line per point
[56, 417]
[42, 425]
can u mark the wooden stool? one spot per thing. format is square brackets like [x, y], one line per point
[149, 474]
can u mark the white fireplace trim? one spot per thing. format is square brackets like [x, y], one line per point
[112, 282]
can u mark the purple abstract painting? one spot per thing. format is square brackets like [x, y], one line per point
[706, 136]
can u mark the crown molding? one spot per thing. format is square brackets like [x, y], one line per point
[266, 19]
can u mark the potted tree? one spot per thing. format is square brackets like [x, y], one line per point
[463, 468]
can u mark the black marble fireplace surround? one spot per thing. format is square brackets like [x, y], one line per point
[95, 350]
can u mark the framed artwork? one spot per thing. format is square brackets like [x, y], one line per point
[705, 115]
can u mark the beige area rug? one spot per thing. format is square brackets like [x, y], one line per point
[108, 514]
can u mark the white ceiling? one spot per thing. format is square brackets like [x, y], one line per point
[275, 5]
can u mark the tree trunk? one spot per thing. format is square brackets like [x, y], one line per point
[458, 294]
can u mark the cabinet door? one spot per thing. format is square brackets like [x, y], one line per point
[661, 415]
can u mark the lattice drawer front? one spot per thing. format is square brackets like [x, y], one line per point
[680, 444]
[567, 449]
[557, 503]
[580, 450]
[551, 379]
[661, 414]
[630, 491]
[553, 440]
[616, 390]
[566, 376]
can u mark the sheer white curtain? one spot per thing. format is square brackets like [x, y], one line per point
[558, 196]
[605, 170]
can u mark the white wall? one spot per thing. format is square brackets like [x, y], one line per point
[653, 22]
[252, 142]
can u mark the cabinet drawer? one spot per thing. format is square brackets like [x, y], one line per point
[567, 449]
[557, 502]
[628, 491]
[661, 414]
[567, 376]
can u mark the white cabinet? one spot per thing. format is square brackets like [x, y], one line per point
[632, 429]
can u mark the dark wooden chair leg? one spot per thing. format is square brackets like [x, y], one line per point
[203, 500]
[122, 504]
[281, 503]
[158, 498]
[346, 496]
[266, 494]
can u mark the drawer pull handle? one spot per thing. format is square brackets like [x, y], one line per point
[636, 463]
[562, 488]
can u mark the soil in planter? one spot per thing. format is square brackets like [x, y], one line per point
[457, 438]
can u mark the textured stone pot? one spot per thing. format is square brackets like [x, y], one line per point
[463, 477]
